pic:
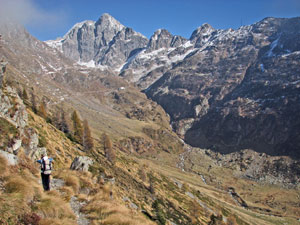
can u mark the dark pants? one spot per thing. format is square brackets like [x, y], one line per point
[46, 181]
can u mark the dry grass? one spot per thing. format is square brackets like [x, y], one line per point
[109, 213]
[66, 192]
[120, 218]
[51, 221]
[51, 206]
[17, 185]
[71, 179]
[3, 166]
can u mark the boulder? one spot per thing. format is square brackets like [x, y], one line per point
[11, 158]
[81, 163]
[17, 145]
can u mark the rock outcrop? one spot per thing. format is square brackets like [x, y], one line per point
[261, 167]
[13, 115]
[10, 158]
[81, 163]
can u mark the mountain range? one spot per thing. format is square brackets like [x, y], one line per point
[225, 90]
[204, 130]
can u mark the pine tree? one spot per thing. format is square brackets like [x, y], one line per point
[42, 110]
[25, 96]
[33, 103]
[63, 125]
[142, 174]
[87, 137]
[195, 210]
[78, 131]
[108, 149]
[152, 185]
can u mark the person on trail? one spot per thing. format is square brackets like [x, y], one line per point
[46, 167]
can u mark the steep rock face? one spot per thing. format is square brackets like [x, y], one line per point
[122, 47]
[15, 132]
[163, 39]
[150, 63]
[261, 167]
[239, 89]
[106, 42]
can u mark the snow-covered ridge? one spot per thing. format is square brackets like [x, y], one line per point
[56, 44]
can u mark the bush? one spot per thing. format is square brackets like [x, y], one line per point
[159, 212]
[30, 219]
[71, 138]
[16, 185]
[42, 141]
[72, 182]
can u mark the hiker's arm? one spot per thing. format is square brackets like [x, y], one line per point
[39, 161]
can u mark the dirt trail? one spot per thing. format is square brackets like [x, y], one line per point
[74, 203]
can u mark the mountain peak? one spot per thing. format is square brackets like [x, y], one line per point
[203, 30]
[161, 34]
[109, 21]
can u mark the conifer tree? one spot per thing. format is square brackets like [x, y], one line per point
[195, 211]
[42, 110]
[108, 149]
[142, 174]
[87, 137]
[152, 186]
[33, 103]
[77, 126]
[25, 96]
[63, 125]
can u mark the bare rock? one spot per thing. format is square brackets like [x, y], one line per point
[81, 163]
[11, 158]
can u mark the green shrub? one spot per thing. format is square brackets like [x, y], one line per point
[42, 141]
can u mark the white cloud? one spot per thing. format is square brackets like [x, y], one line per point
[27, 12]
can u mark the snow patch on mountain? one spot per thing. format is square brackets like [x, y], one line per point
[56, 44]
[90, 64]
[273, 46]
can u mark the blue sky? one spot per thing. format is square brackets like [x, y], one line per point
[48, 19]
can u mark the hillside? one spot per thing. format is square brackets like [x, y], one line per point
[139, 187]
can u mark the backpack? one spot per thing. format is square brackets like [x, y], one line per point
[46, 166]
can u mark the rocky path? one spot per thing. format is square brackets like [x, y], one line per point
[74, 203]
[76, 206]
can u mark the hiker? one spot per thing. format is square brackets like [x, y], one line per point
[46, 168]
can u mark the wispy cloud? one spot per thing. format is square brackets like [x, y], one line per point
[27, 12]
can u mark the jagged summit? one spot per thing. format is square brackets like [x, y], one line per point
[162, 38]
[106, 21]
[99, 44]
[205, 29]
